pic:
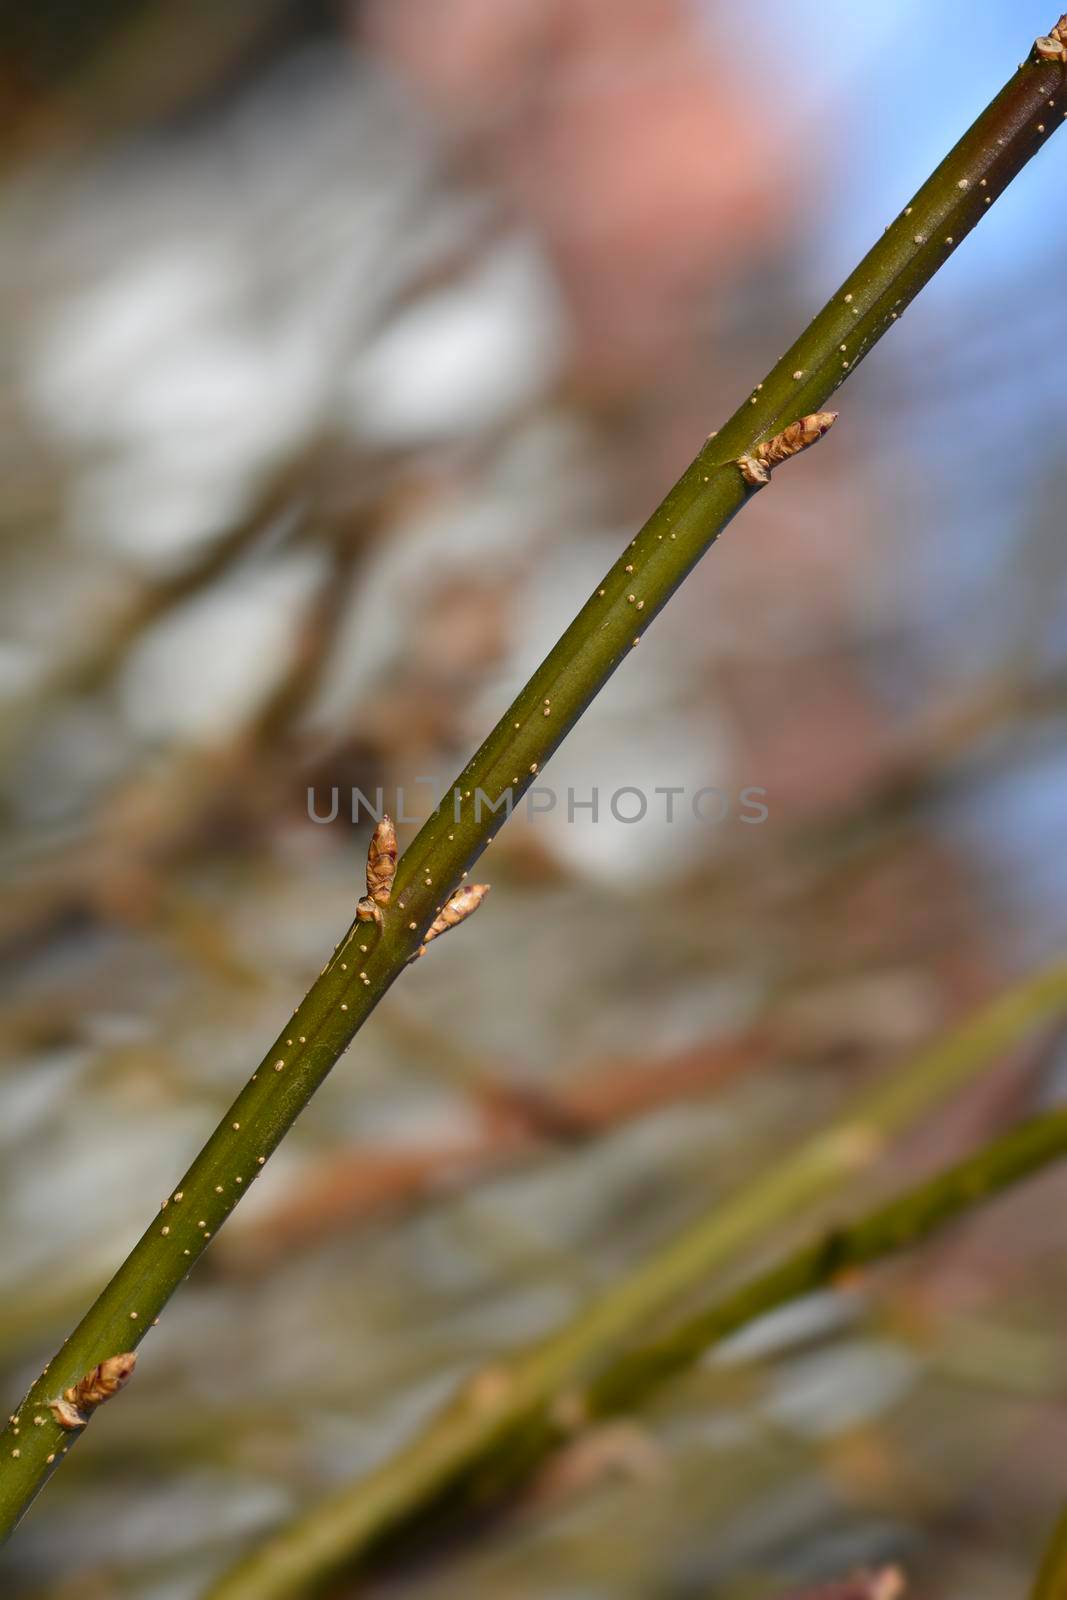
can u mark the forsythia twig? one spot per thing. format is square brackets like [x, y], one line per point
[919, 240]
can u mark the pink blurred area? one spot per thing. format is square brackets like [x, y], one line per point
[655, 174]
[615, 132]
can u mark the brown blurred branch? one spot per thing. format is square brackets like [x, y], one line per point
[518, 1124]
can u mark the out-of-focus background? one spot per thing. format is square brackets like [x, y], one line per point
[343, 348]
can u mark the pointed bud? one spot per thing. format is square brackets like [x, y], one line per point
[107, 1378]
[381, 870]
[457, 908]
[381, 862]
[756, 467]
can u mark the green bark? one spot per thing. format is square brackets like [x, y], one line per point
[915, 245]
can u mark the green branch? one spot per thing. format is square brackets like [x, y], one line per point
[509, 1417]
[1051, 1583]
[367, 962]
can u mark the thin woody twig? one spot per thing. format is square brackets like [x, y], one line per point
[607, 628]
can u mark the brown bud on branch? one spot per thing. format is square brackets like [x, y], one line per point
[457, 908]
[1053, 46]
[71, 1408]
[756, 468]
[381, 870]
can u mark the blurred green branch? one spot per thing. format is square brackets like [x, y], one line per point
[367, 962]
[508, 1417]
[1051, 1581]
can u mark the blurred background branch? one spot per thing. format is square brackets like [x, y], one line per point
[510, 1415]
[1051, 1581]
